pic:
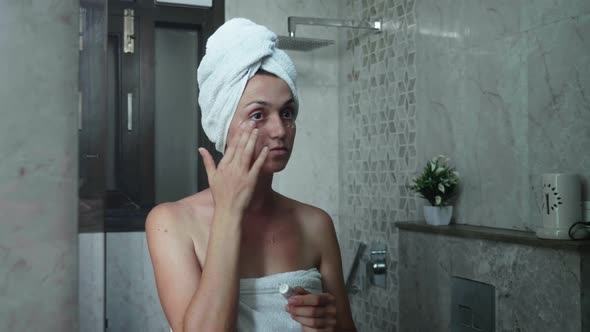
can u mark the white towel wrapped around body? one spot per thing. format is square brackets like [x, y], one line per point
[234, 53]
[262, 308]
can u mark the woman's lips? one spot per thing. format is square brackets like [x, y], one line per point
[279, 151]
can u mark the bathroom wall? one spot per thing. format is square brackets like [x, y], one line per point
[91, 281]
[502, 89]
[38, 165]
[312, 173]
[132, 302]
[536, 288]
[377, 146]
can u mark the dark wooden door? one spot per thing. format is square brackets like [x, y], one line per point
[129, 164]
[123, 159]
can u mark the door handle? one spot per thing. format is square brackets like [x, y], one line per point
[129, 111]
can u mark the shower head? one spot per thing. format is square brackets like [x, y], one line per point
[307, 44]
[302, 44]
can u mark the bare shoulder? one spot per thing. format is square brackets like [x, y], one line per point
[168, 218]
[181, 226]
[178, 217]
[313, 219]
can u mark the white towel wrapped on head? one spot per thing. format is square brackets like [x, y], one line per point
[234, 53]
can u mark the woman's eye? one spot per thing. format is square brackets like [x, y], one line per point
[288, 114]
[256, 116]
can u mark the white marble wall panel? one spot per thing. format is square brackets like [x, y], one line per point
[542, 12]
[38, 165]
[495, 154]
[559, 101]
[478, 122]
[91, 279]
[506, 108]
[483, 22]
[451, 26]
[132, 302]
[439, 30]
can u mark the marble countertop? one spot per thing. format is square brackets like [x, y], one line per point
[494, 234]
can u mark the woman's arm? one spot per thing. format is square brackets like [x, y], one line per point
[330, 310]
[193, 299]
[207, 300]
[176, 267]
[333, 277]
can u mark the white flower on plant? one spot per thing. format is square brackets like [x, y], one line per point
[437, 200]
[432, 166]
[438, 170]
[441, 188]
[442, 158]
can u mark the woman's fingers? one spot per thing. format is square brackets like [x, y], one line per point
[313, 311]
[300, 290]
[312, 299]
[246, 157]
[255, 170]
[316, 323]
[309, 329]
[247, 128]
[234, 149]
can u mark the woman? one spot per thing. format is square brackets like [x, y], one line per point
[219, 255]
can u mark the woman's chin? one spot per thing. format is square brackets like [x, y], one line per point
[273, 167]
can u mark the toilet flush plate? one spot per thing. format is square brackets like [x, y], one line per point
[472, 306]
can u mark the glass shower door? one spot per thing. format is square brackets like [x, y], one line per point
[176, 113]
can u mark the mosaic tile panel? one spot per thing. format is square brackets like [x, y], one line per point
[377, 146]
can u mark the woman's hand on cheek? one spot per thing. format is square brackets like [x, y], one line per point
[233, 180]
[315, 312]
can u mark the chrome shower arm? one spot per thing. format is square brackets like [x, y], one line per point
[293, 21]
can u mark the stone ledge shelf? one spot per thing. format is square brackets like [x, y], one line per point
[495, 234]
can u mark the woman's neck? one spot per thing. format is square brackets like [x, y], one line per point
[263, 196]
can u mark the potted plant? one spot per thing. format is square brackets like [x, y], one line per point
[438, 184]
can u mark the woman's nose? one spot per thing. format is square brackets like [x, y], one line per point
[276, 127]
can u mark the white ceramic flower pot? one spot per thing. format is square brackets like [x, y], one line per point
[438, 215]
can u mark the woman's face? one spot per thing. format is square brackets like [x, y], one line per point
[267, 102]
